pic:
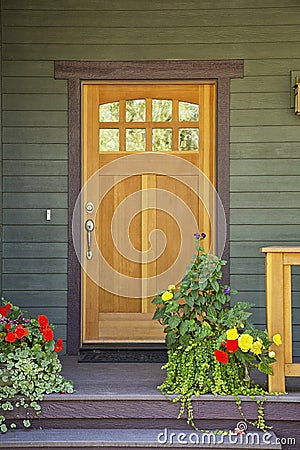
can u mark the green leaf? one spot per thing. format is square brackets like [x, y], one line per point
[202, 284]
[186, 310]
[177, 296]
[189, 301]
[194, 294]
[157, 301]
[265, 368]
[172, 306]
[159, 313]
[171, 339]
[215, 285]
[174, 322]
[206, 326]
[26, 423]
[184, 327]
[184, 340]
[211, 313]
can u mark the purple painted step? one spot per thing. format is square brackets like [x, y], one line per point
[135, 439]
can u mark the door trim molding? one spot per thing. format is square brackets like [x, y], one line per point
[183, 70]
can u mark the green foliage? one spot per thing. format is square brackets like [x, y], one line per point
[29, 364]
[212, 345]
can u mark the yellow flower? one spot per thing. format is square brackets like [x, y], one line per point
[272, 354]
[232, 334]
[245, 342]
[256, 347]
[277, 339]
[167, 296]
[171, 287]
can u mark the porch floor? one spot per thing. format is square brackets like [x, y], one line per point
[117, 405]
[132, 379]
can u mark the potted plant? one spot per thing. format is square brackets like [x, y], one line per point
[29, 364]
[212, 346]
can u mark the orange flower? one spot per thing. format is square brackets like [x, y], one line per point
[21, 331]
[47, 334]
[10, 337]
[3, 311]
[232, 345]
[59, 346]
[221, 356]
[43, 321]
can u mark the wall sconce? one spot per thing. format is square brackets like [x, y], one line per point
[297, 95]
[295, 91]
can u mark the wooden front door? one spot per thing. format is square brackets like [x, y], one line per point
[144, 146]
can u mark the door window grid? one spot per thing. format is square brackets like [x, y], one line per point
[173, 125]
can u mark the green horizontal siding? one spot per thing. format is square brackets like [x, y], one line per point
[33, 85]
[263, 117]
[35, 184]
[35, 102]
[36, 265]
[34, 135]
[264, 135]
[267, 183]
[265, 150]
[35, 250]
[32, 167]
[161, 18]
[37, 299]
[143, 4]
[269, 166]
[279, 66]
[265, 200]
[34, 200]
[270, 216]
[34, 216]
[149, 35]
[36, 152]
[161, 50]
[41, 282]
[23, 69]
[36, 119]
[272, 232]
[38, 233]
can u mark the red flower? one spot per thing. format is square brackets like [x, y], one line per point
[8, 306]
[3, 311]
[43, 321]
[232, 345]
[47, 334]
[21, 331]
[59, 346]
[221, 356]
[7, 326]
[10, 337]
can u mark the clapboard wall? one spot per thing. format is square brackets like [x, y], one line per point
[265, 134]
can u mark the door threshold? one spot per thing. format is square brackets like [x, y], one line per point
[126, 352]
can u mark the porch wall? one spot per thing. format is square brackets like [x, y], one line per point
[265, 134]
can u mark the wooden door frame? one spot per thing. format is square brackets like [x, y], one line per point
[75, 72]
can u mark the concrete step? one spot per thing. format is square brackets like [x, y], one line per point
[103, 439]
